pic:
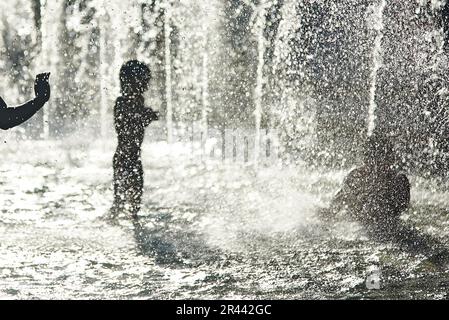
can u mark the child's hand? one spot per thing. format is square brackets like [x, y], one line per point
[42, 87]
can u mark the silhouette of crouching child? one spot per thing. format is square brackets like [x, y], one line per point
[376, 194]
[131, 118]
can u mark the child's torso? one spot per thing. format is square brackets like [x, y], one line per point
[129, 125]
[376, 198]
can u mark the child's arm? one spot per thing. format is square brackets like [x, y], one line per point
[11, 117]
[337, 204]
[341, 198]
[402, 192]
[148, 116]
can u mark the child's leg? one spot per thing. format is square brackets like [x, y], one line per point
[135, 190]
[119, 183]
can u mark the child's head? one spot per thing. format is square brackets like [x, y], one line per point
[135, 78]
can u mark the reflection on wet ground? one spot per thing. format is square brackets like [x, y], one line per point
[205, 231]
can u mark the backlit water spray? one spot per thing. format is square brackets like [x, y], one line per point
[168, 67]
[49, 56]
[375, 23]
[258, 92]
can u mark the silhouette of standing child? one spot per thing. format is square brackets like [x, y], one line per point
[130, 118]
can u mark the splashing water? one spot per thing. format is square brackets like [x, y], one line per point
[205, 231]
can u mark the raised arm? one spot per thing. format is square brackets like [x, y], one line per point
[11, 117]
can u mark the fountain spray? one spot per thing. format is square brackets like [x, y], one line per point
[378, 26]
[258, 92]
[48, 58]
[168, 81]
[103, 71]
[205, 92]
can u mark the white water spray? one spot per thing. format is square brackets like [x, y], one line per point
[377, 25]
[49, 56]
[258, 92]
[168, 82]
[115, 22]
[103, 73]
[205, 93]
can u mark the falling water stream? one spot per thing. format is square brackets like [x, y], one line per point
[377, 25]
[258, 92]
[48, 59]
[168, 70]
[104, 83]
